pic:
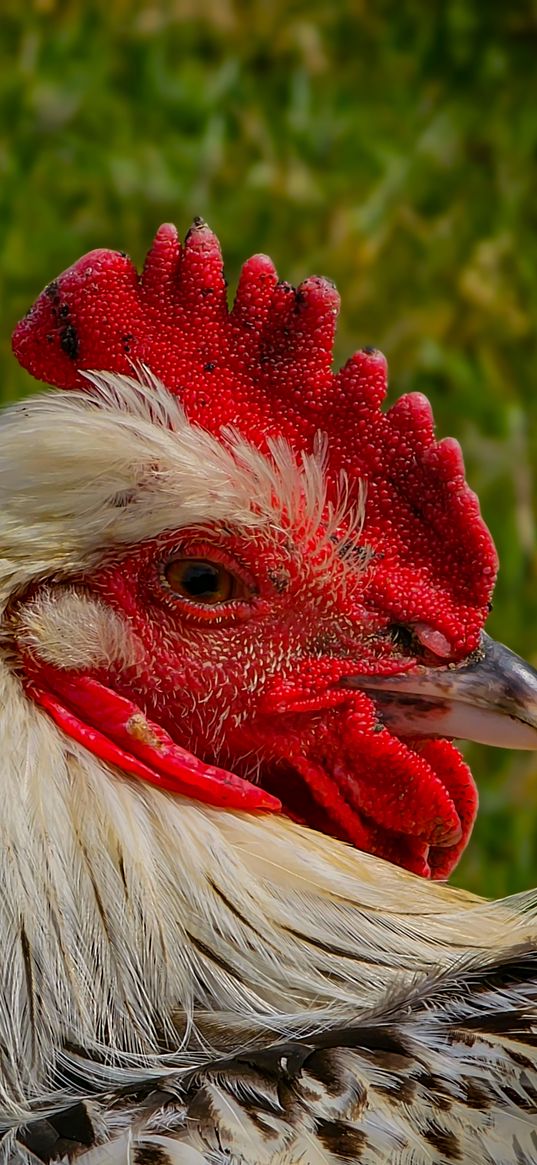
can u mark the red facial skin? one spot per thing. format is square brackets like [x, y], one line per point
[252, 685]
[254, 688]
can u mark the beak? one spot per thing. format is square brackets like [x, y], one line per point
[492, 698]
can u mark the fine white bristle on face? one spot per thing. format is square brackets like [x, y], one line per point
[82, 473]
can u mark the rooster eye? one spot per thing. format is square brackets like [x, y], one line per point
[203, 582]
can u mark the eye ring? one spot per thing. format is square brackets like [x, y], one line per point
[203, 582]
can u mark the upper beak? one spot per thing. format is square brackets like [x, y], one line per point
[492, 698]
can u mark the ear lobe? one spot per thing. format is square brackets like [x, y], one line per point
[69, 630]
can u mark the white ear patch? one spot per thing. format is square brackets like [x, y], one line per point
[71, 630]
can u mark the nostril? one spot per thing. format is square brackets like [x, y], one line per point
[404, 638]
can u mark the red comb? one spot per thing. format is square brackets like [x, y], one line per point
[265, 367]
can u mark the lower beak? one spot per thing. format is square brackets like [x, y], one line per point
[491, 699]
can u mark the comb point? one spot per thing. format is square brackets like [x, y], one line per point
[201, 269]
[162, 259]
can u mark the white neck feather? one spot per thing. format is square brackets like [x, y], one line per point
[131, 919]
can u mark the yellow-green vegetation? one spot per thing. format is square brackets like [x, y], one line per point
[389, 146]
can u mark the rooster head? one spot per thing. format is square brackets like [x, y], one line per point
[245, 581]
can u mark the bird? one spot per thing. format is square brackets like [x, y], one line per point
[243, 609]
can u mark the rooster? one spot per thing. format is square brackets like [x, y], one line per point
[242, 620]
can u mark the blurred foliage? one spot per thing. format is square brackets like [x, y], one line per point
[391, 147]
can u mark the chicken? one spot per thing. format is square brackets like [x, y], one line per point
[243, 616]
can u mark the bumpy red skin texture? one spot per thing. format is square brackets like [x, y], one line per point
[265, 368]
[254, 685]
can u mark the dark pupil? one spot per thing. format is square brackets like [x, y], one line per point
[201, 580]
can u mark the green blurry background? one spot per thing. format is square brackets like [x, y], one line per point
[391, 147]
